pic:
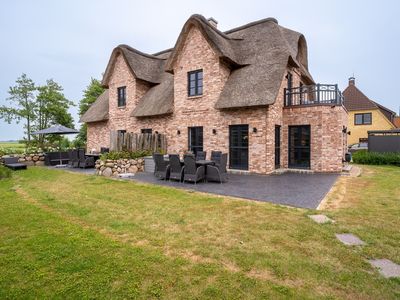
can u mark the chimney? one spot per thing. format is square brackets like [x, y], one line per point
[352, 81]
[213, 22]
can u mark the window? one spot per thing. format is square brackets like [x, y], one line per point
[146, 130]
[121, 96]
[121, 133]
[363, 119]
[195, 83]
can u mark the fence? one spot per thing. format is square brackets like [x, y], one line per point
[134, 142]
[384, 140]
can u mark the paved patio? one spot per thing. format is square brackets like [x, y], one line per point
[298, 190]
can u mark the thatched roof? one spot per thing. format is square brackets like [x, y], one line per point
[144, 66]
[159, 100]
[257, 53]
[98, 111]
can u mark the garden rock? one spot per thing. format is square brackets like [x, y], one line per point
[349, 239]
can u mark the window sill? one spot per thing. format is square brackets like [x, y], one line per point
[122, 107]
[194, 97]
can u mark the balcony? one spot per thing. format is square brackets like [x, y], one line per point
[317, 94]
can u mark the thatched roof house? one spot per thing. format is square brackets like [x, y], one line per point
[257, 53]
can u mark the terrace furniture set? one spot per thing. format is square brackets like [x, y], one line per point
[193, 168]
[79, 159]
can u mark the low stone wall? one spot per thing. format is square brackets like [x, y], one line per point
[34, 159]
[110, 167]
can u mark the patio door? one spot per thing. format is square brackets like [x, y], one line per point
[277, 146]
[299, 146]
[239, 147]
[195, 142]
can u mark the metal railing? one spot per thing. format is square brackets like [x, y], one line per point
[317, 94]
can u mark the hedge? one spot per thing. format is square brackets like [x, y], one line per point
[114, 155]
[376, 158]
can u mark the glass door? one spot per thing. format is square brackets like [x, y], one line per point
[195, 142]
[239, 147]
[299, 146]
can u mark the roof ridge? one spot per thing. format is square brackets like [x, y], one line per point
[129, 48]
[270, 19]
[163, 51]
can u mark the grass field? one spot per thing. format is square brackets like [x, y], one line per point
[64, 235]
[11, 145]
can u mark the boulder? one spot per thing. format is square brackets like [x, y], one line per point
[39, 163]
[28, 158]
[35, 158]
[107, 172]
[109, 165]
[41, 158]
[133, 169]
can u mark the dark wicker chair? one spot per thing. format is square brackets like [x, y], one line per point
[201, 155]
[218, 172]
[13, 164]
[176, 169]
[216, 157]
[161, 168]
[104, 150]
[85, 162]
[73, 158]
[191, 172]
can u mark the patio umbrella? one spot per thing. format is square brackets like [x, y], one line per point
[57, 129]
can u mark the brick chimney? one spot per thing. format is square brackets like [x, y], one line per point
[213, 22]
[352, 81]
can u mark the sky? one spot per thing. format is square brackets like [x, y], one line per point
[71, 41]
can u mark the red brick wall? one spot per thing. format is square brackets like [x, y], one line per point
[196, 53]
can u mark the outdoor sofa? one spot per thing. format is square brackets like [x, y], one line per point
[12, 163]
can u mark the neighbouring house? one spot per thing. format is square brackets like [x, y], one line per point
[364, 114]
[396, 122]
[246, 91]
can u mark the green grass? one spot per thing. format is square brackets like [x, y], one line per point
[65, 235]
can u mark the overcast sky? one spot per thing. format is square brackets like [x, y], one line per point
[71, 41]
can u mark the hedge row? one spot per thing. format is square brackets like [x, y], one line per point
[115, 155]
[374, 158]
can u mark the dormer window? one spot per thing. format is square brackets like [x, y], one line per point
[122, 96]
[195, 83]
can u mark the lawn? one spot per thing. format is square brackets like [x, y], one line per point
[65, 235]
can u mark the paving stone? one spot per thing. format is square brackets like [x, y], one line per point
[349, 239]
[321, 219]
[386, 267]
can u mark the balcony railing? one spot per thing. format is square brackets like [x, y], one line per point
[317, 94]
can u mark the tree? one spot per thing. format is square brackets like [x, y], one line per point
[22, 98]
[90, 94]
[51, 108]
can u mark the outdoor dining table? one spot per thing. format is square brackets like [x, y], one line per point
[94, 155]
[205, 163]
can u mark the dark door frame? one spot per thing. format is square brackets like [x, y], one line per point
[290, 164]
[277, 146]
[242, 148]
[198, 146]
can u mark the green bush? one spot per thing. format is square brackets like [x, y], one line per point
[4, 172]
[375, 158]
[115, 155]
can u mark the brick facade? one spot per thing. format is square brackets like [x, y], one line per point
[196, 53]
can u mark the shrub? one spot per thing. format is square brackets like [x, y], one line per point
[4, 172]
[115, 155]
[375, 158]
